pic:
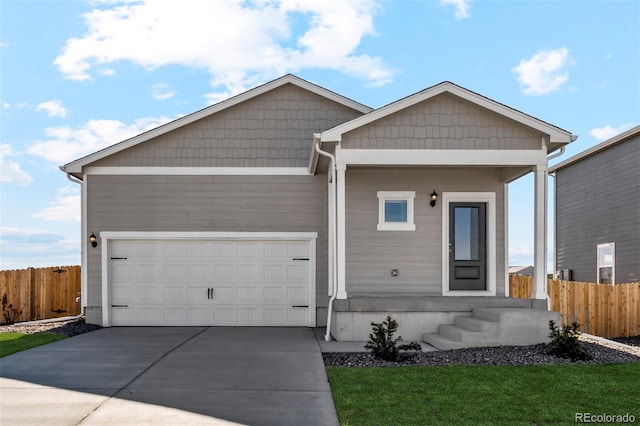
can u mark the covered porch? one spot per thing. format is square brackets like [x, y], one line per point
[418, 217]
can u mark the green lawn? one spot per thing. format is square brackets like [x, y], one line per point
[15, 342]
[483, 395]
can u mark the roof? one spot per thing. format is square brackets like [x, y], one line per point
[556, 134]
[77, 165]
[635, 131]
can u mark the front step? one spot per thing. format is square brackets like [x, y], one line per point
[494, 327]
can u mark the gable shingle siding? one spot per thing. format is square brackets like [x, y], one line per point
[443, 122]
[272, 130]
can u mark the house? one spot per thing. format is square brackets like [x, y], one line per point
[597, 212]
[521, 270]
[292, 205]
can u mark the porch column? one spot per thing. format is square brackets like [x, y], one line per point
[540, 234]
[340, 238]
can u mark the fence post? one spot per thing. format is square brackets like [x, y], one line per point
[32, 292]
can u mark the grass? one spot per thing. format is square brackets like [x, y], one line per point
[11, 343]
[483, 395]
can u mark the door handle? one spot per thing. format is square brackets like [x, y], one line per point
[210, 293]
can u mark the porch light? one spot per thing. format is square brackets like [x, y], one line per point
[93, 240]
[434, 198]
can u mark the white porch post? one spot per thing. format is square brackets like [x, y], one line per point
[540, 231]
[341, 240]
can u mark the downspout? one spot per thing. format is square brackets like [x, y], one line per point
[557, 154]
[83, 281]
[334, 284]
[551, 157]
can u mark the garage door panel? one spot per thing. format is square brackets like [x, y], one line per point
[176, 293]
[247, 272]
[210, 282]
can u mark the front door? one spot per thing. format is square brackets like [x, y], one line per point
[467, 246]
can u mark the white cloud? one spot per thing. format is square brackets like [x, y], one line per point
[462, 8]
[22, 248]
[543, 72]
[609, 131]
[65, 143]
[240, 44]
[66, 207]
[10, 171]
[54, 108]
[6, 105]
[162, 91]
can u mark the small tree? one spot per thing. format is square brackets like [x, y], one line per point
[9, 313]
[565, 343]
[382, 344]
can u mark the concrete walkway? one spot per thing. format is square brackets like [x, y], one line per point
[170, 375]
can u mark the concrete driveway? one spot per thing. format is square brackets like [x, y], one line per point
[170, 375]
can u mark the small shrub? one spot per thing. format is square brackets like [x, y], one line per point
[382, 344]
[9, 313]
[565, 343]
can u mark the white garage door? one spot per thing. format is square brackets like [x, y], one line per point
[209, 282]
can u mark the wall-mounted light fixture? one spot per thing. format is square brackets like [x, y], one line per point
[93, 240]
[434, 198]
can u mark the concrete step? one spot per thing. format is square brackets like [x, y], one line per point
[475, 324]
[494, 327]
[502, 314]
[442, 343]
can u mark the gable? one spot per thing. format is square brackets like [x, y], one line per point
[274, 129]
[444, 121]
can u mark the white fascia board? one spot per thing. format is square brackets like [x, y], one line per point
[556, 134]
[207, 235]
[199, 171]
[76, 166]
[441, 157]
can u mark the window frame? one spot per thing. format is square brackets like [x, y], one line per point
[383, 197]
[612, 264]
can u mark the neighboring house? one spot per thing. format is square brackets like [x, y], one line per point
[292, 205]
[597, 212]
[521, 270]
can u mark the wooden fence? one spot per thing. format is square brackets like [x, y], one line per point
[601, 309]
[42, 293]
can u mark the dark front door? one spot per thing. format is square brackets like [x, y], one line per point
[467, 246]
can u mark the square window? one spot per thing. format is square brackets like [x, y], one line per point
[395, 211]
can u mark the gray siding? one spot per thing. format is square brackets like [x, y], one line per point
[371, 254]
[207, 203]
[443, 122]
[598, 201]
[272, 130]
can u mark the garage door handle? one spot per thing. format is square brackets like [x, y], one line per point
[300, 306]
[118, 258]
[210, 293]
[119, 306]
[300, 258]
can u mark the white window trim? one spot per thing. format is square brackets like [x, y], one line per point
[407, 196]
[613, 262]
[474, 197]
[107, 236]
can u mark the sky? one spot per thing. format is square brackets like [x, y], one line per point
[77, 76]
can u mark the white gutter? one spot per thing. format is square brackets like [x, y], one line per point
[334, 251]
